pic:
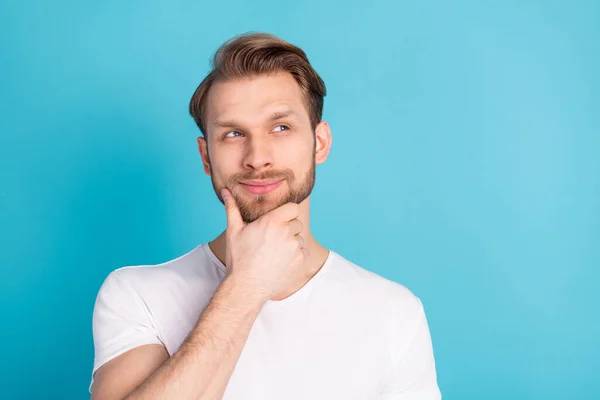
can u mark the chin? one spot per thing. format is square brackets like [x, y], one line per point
[263, 201]
[253, 207]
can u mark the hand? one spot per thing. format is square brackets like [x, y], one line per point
[266, 254]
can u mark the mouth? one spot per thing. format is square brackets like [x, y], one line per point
[261, 186]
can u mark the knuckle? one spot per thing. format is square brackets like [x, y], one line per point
[293, 245]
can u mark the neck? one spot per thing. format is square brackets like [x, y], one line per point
[317, 253]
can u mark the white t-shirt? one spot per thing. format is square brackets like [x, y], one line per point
[347, 334]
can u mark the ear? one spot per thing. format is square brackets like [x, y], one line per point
[203, 148]
[322, 142]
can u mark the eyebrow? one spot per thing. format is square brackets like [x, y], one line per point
[277, 115]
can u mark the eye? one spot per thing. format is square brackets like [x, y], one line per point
[285, 127]
[228, 134]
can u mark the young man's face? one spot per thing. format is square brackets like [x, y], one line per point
[260, 144]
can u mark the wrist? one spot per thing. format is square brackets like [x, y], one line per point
[236, 286]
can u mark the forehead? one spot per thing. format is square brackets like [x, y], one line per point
[254, 99]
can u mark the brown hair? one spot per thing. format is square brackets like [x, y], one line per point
[254, 54]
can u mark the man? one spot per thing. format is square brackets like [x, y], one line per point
[263, 311]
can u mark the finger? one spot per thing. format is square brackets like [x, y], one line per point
[296, 226]
[285, 213]
[234, 218]
[305, 252]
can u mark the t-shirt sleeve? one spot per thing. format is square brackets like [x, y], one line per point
[121, 321]
[413, 375]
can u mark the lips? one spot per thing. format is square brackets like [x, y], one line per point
[261, 186]
[260, 182]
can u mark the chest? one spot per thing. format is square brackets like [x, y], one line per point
[298, 359]
[326, 352]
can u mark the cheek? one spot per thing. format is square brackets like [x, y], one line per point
[218, 172]
[297, 154]
[308, 157]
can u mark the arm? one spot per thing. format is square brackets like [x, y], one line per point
[202, 366]
[263, 259]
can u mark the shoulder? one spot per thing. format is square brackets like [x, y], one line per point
[153, 279]
[385, 291]
[140, 298]
[397, 308]
[400, 312]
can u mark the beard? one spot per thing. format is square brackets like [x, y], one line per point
[260, 204]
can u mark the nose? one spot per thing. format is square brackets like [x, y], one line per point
[258, 154]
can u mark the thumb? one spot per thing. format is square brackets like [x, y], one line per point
[234, 218]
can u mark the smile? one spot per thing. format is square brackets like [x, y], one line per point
[261, 187]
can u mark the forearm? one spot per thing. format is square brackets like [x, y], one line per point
[202, 366]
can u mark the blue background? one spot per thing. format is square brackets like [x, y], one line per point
[465, 165]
